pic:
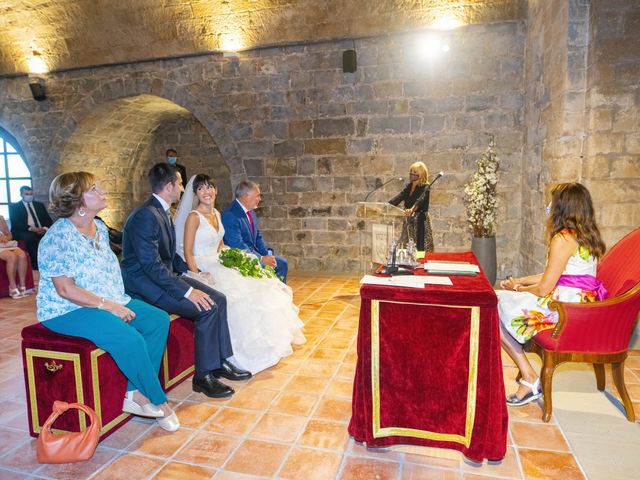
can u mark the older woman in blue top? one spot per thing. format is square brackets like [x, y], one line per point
[81, 294]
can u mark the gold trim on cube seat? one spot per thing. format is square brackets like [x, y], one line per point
[31, 354]
[378, 431]
[169, 382]
[97, 402]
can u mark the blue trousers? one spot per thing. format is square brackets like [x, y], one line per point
[282, 266]
[136, 347]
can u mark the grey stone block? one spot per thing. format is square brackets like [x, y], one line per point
[393, 125]
[299, 184]
[289, 148]
[334, 127]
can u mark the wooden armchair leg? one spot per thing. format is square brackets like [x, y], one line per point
[618, 379]
[600, 379]
[546, 379]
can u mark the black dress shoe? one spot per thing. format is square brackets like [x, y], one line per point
[211, 387]
[229, 371]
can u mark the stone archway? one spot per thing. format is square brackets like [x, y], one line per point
[122, 138]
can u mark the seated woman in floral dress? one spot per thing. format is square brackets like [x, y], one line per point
[82, 294]
[574, 247]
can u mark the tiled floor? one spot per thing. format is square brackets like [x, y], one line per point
[290, 422]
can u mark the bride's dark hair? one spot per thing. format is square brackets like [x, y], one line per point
[202, 179]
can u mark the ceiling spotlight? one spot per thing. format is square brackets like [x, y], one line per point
[446, 22]
[431, 45]
[37, 65]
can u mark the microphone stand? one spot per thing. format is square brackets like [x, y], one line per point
[379, 187]
[366, 266]
[440, 174]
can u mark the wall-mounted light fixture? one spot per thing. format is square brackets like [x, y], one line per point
[431, 45]
[38, 91]
[349, 61]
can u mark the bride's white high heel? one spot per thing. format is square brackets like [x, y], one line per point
[146, 410]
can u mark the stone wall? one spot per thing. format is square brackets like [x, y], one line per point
[315, 138]
[581, 110]
[611, 169]
[80, 33]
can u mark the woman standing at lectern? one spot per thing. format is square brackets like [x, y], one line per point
[415, 196]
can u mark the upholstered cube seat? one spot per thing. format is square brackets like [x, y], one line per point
[72, 369]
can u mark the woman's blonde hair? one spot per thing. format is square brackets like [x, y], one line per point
[572, 211]
[421, 169]
[65, 193]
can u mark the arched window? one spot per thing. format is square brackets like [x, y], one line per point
[14, 172]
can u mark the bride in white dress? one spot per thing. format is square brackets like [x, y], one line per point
[263, 321]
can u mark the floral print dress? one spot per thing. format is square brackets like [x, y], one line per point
[524, 315]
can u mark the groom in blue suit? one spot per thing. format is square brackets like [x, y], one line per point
[241, 227]
[153, 272]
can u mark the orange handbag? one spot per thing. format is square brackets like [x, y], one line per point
[68, 447]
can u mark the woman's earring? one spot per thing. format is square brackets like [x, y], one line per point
[82, 212]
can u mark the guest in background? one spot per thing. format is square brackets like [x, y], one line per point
[29, 222]
[82, 294]
[574, 247]
[172, 159]
[15, 260]
[241, 227]
[415, 196]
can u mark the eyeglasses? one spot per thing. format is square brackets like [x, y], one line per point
[96, 189]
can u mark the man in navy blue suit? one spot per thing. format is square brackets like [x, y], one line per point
[241, 227]
[153, 272]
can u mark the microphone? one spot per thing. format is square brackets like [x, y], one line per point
[438, 175]
[379, 187]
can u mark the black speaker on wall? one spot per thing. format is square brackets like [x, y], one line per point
[349, 61]
[37, 90]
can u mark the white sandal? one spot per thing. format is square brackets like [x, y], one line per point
[148, 410]
[15, 293]
[532, 396]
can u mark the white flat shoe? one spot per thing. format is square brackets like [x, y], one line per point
[147, 410]
[170, 423]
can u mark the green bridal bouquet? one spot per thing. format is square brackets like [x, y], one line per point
[248, 266]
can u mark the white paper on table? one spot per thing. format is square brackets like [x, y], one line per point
[410, 281]
[451, 267]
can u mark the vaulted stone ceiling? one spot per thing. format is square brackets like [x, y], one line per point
[63, 34]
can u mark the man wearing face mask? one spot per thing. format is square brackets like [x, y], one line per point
[29, 222]
[172, 159]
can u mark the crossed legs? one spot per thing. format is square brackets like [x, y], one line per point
[516, 352]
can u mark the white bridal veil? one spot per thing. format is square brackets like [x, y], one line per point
[187, 203]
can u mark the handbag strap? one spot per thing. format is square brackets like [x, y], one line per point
[59, 407]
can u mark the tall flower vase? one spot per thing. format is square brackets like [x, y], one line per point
[484, 248]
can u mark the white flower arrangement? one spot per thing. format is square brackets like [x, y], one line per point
[481, 198]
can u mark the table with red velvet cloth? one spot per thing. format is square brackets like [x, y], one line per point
[429, 369]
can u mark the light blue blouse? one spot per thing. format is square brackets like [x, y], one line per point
[64, 251]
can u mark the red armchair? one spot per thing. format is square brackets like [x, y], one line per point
[596, 332]
[4, 281]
